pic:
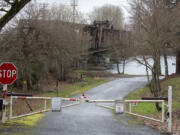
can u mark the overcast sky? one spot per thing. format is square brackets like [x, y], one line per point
[86, 6]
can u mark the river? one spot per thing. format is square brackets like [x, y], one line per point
[132, 67]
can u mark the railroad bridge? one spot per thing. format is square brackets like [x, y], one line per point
[103, 36]
[102, 33]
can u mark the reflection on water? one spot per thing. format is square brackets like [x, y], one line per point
[134, 68]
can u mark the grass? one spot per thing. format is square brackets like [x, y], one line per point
[27, 121]
[149, 109]
[175, 83]
[24, 122]
[77, 88]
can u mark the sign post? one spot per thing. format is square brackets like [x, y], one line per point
[8, 74]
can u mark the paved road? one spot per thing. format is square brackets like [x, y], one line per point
[88, 119]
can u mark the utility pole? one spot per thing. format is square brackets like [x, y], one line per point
[43, 9]
[74, 5]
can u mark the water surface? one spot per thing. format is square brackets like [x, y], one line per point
[134, 68]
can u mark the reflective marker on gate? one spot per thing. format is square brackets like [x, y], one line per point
[21, 97]
[134, 103]
[73, 99]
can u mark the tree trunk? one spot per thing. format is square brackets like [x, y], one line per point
[30, 80]
[147, 74]
[155, 82]
[166, 65]
[63, 77]
[155, 88]
[25, 78]
[124, 62]
[159, 63]
[117, 64]
[178, 62]
[158, 106]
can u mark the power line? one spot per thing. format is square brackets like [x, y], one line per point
[74, 5]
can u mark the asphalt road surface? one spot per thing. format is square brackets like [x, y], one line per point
[89, 119]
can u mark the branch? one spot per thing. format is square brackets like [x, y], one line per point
[15, 8]
[3, 10]
[8, 1]
[145, 64]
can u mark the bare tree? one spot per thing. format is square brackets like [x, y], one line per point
[108, 12]
[122, 49]
[11, 8]
[151, 33]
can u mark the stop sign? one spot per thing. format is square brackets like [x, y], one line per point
[8, 73]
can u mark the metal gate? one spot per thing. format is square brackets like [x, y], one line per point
[120, 106]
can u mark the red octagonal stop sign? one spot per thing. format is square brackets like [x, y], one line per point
[8, 73]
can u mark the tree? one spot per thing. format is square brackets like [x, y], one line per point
[14, 6]
[40, 44]
[176, 30]
[173, 8]
[122, 49]
[108, 12]
[151, 32]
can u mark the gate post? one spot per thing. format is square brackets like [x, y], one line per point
[130, 107]
[11, 104]
[163, 111]
[170, 109]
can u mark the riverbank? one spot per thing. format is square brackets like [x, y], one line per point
[149, 109]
